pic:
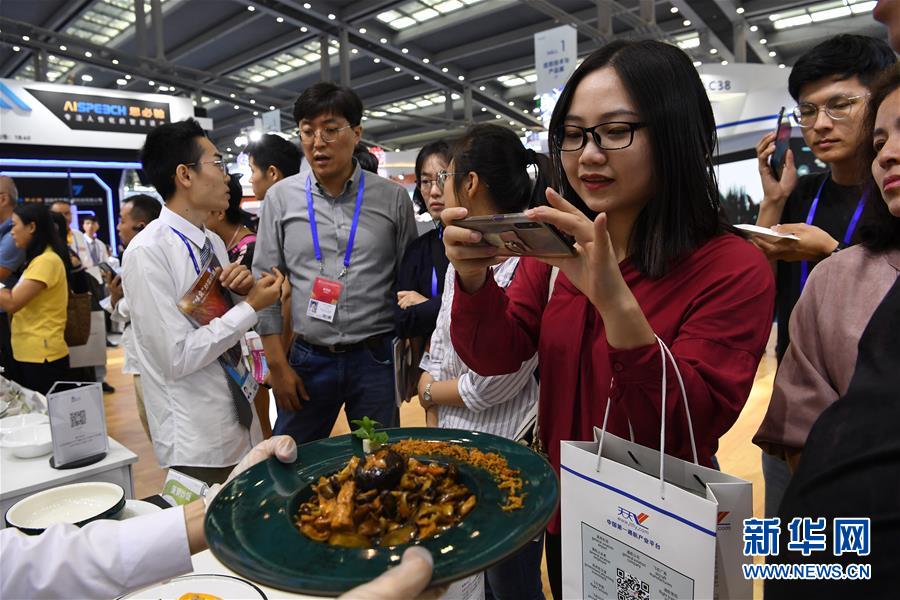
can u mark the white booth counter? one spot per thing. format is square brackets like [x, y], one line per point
[22, 477]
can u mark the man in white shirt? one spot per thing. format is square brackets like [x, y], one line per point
[76, 240]
[200, 421]
[107, 558]
[134, 215]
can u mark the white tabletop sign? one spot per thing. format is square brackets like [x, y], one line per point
[77, 421]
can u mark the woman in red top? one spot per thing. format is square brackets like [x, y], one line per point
[633, 132]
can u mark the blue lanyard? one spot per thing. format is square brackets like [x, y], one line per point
[434, 285]
[315, 230]
[848, 235]
[188, 244]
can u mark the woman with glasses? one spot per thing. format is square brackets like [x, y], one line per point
[831, 85]
[488, 175]
[420, 278]
[633, 137]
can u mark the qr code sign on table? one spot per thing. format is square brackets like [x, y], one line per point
[629, 587]
[77, 418]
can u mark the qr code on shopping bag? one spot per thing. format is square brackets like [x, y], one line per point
[629, 587]
[77, 418]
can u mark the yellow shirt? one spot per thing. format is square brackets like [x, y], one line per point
[38, 329]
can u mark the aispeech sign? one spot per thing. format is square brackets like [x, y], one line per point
[102, 113]
[65, 115]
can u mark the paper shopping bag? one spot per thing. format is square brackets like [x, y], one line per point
[637, 527]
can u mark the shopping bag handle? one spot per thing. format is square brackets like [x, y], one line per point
[665, 356]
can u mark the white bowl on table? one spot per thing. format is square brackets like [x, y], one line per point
[10, 424]
[77, 503]
[29, 442]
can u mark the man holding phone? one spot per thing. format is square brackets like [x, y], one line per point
[830, 84]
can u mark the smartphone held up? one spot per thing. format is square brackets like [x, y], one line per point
[782, 144]
[517, 235]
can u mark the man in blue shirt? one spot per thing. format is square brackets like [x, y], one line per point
[11, 259]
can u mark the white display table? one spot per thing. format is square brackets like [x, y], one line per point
[21, 477]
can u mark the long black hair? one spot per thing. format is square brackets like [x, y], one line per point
[879, 230]
[684, 211]
[45, 233]
[497, 155]
[442, 149]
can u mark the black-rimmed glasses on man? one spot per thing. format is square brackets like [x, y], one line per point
[614, 135]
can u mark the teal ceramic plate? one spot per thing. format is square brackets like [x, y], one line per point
[250, 528]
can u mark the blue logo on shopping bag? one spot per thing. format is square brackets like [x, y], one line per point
[7, 94]
[636, 519]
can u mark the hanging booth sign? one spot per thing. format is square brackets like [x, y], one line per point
[67, 115]
[555, 56]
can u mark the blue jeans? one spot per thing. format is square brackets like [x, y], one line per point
[518, 577]
[362, 381]
[777, 476]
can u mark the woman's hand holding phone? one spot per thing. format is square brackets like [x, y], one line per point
[469, 257]
[594, 270]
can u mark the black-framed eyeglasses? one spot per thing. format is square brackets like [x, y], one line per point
[220, 164]
[614, 135]
[328, 135]
[837, 108]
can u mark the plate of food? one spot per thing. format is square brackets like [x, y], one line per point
[339, 517]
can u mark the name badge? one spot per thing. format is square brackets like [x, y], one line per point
[324, 299]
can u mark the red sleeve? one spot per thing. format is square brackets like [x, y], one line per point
[717, 349]
[495, 331]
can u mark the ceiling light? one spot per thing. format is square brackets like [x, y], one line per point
[151, 82]
[236, 107]
[228, 149]
[525, 111]
[511, 103]
[63, 48]
[781, 66]
[673, 10]
[697, 63]
[251, 8]
[162, 88]
[362, 30]
[16, 48]
[481, 88]
[252, 101]
[383, 40]
[25, 38]
[354, 50]
[483, 109]
[271, 107]
[724, 63]
[754, 28]
[255, 113]
[128, 77]
[512, 122]
[304, 29]
[499, 117]
[454, 96]
[444, 69]
[307, 5]
[763, 41]
[404, 50]
[331, 16]
[772, 53]
[713, 51]
[740, 10]
[115, 61]
[426, 61]
[397, 69]
[376, 60]
[686, 22]
[231, 95]
[217, 101]
[88, 54]
[461, 77]
[279, 19]
[87, 78]
[417, 78]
